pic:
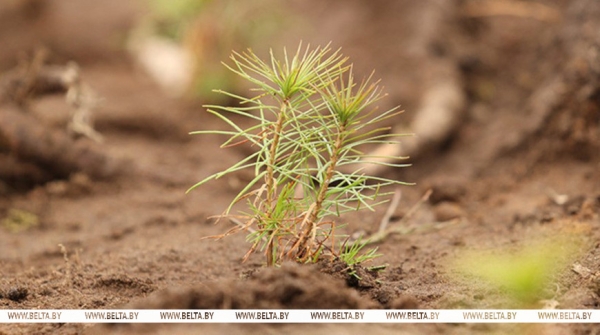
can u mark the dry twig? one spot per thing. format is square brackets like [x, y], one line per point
[400, 228]
[390, 210]
[37, 79]
[46, 152]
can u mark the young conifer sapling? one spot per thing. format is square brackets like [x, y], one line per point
[309, 120]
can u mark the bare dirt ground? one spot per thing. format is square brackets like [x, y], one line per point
[523, 163]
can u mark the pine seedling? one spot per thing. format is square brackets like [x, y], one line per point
[309, 120]
[350, 255]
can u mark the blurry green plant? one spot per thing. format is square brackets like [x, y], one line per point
[172, 16]
[210, 29]
[524, 274]
[309, 119]
[18, 220]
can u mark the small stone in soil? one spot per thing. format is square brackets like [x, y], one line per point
[445, 211]
[17, 294]
[449, 190]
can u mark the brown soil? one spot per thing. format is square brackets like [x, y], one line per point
[531, 132]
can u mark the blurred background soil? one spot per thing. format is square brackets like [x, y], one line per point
[506, 95]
